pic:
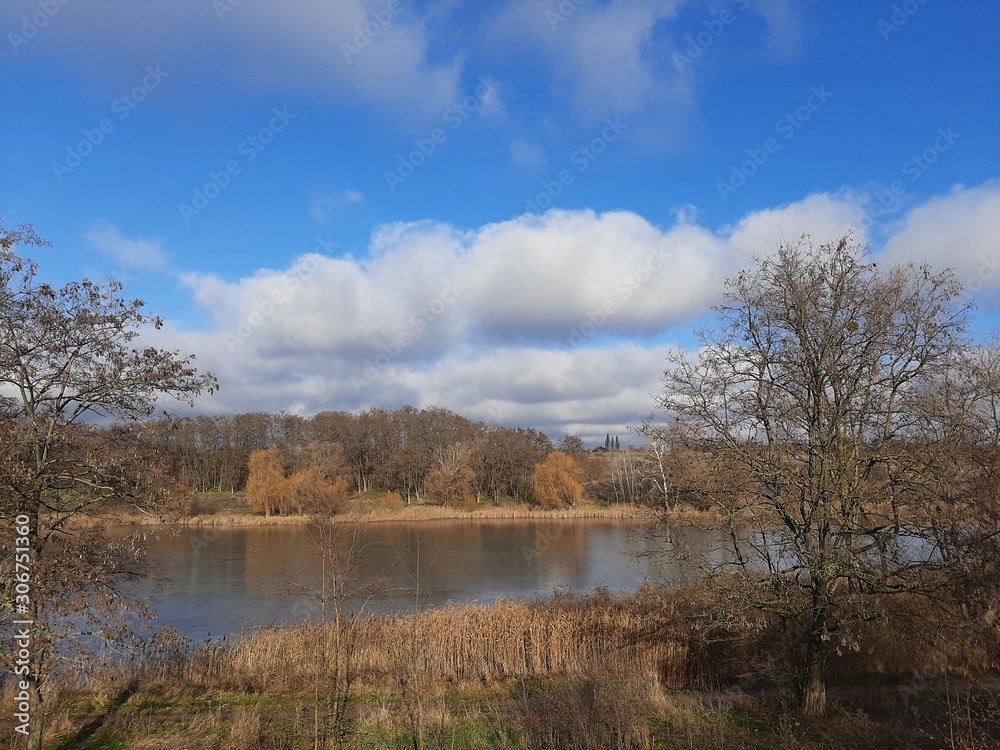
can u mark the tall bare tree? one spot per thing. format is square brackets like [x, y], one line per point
[452, 479]
[66, 358]
[829, 391]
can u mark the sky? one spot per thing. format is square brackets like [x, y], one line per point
[512, 209]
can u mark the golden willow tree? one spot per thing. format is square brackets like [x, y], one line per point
[316, 489]
[556, 481]
[837, 405]
[67, 359]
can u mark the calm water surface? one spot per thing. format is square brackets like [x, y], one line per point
[211, 582]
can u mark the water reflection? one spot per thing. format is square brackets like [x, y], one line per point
[217, 582]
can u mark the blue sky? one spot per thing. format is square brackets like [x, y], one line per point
[509, 209]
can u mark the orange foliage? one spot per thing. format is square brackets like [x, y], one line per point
[557, 481]
[311, 490]
[268, 489]
[317, 493]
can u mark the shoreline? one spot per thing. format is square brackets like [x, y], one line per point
[638, 515]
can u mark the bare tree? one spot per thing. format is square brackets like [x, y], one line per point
[571, 444]
[827, 391]
[653, 466]
[452, 479]
[339, 599]
[66, 357]
[615, 476]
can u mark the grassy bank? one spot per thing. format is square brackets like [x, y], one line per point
[221, 509]
[658, 669]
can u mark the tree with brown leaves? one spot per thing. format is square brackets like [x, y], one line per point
[67, 358]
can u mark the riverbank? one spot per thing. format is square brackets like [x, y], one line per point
[231, 510]
[652, 670]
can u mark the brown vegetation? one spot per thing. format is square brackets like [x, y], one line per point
[846, 433]
[557, 481]
[661, 668]
[311, 491]
[67, 357]
[375, 450]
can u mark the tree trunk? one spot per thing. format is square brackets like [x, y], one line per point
[35, 711]
[813, 697]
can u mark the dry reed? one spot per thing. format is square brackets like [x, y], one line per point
[645, 635]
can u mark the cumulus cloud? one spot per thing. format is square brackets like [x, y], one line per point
[958, 231]
[559, 321]
[821, 216]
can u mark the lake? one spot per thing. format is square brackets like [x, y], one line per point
[214, 581]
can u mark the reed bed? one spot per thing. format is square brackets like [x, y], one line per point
[593, 672]
[644, 635]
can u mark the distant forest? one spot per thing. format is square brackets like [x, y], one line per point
[420, 454]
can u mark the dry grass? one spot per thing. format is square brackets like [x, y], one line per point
[372, 512]
[649, 636]
[656, 669]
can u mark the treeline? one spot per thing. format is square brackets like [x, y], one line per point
[429, 454]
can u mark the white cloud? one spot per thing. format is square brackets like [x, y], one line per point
[134, 254]
[822, 216]
[325, 48]
[600, 52]
[559, 321]
[958, 230]
[617, 57]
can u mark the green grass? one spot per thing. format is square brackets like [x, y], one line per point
[740, 721]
